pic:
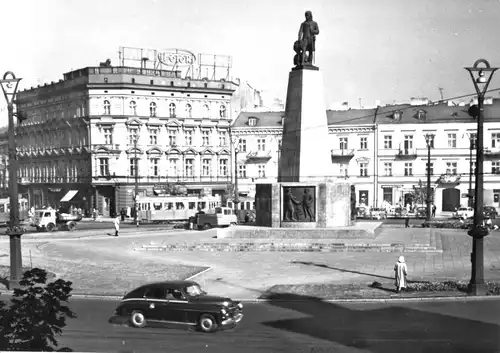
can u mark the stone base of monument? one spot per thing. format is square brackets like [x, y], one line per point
[303, 205]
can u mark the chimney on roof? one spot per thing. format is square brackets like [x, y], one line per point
[419, 101]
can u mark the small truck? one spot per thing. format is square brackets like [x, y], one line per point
[222, 217]
[50, 220]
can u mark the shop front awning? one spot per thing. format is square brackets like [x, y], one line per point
[69, 195]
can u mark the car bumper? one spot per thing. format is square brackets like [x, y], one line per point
[233, 320]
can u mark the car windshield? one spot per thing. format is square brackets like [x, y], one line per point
[194, 290]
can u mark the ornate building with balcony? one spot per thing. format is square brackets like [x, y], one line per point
[383, 152]
[92, 131]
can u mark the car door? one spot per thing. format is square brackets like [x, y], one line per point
[177, 307]
[155, 303]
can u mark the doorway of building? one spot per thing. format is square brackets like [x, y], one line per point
[451, 199]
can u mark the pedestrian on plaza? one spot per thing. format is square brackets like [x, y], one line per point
[433, 211]
[123, 213]
[407, 221]
[400, 273]
[117, 225]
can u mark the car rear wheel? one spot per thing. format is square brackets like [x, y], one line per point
[137, 319]
[50, 227]
[207, 323]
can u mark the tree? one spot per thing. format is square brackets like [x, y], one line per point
[419, 193]
[37, 313]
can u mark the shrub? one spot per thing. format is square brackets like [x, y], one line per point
[449, 286]
[450, 224]
[37, 313]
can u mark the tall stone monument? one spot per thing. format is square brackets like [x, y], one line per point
[306, 195]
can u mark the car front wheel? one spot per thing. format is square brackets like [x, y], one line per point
[207, 323]
[137, 319]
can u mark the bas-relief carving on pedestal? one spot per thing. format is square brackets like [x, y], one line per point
[299, 204]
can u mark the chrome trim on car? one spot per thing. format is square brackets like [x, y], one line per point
[173, 322]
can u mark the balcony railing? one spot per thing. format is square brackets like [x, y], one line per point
[259, 155]
[161, 179]
[407, 153]
[493, 153]
[342, 154]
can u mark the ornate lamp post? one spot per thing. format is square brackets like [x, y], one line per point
[481, 77]
[429, 140]
[9, 86]
[136, 180]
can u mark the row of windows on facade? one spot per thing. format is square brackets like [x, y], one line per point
[54, 171]
[409, 139]
[52, 139]
[188, 168]
[451, 168]
[172, 109]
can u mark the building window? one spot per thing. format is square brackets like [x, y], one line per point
[173, 166]
[473, 140]
[222, 111]
[205, 167]
[343, 170]
[152, 109]
[387, 195]
[133, 108]
[388, 142]
[108, 135]
[134, 166]
[252, 121]
[206, 111]
[242, 145]
[103, 166]
[107, 108]
[495, 167]
[452, 140]
[189, 110]
[242, 171]
[408, 169]
[387, 169]
[223, 167]
[153, 136]
[408, 143]
[133, 135]
[222, 138]
[171, 110]
[189, 167]
[363, 143]
[495, 140]
[172, 137]
[343, 143]
[429, 168]
[261, 144]
[262, 170]
[205, 138]
[363, 169]
[451, 168]
[155, 166]
[188, 137]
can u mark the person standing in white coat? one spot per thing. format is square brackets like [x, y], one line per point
[400, 272]
[117, 225]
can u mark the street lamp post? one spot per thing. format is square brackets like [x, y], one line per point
[9, 86]
[136, 179]
[477, 285]
[236, 193]
[429, 139]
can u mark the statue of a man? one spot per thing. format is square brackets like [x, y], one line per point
[307, 36]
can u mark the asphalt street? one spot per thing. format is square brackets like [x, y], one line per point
[297, 325]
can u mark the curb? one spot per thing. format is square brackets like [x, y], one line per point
[356, 300]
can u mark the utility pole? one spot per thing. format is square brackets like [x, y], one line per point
[429, 139]
[136, 177]
[9, 87]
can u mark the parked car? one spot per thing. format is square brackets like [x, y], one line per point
[378, 213]
[362, 212]
[490, 212]
[421, 212]
[177, 302]
[400, 212]
[464, 212]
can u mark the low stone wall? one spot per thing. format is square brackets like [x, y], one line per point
[295, 233]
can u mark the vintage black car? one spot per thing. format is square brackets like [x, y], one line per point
[490, 212]
[177, 302]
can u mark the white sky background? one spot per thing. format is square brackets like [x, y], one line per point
[388, 50]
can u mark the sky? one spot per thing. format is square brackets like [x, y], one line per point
[367, 50]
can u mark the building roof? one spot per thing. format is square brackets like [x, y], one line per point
[394, 114]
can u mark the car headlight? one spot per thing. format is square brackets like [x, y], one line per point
[223, 311]
[226, 303]
[240, 305]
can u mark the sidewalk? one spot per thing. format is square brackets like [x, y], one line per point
[112, 266]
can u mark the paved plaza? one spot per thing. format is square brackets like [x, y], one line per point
[97, 263]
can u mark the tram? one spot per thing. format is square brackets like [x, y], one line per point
[5, 210]
[159, 209]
